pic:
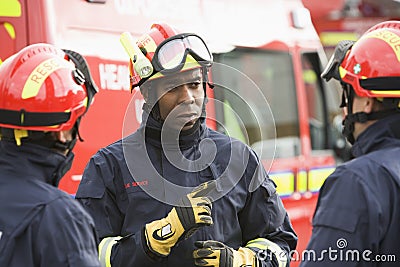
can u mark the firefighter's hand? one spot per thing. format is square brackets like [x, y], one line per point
[193, 211]
[215, 254]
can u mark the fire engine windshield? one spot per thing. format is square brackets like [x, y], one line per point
[257, 102]
[257, 99]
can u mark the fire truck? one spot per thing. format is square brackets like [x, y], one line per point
[268, 91]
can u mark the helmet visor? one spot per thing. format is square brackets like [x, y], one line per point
[171, 54]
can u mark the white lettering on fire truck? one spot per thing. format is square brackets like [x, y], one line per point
[114, 77]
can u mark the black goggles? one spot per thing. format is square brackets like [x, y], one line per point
[332, 68]
[170, 56]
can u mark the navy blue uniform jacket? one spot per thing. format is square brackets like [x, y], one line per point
[358, 210]
[39, 224]
[118, 186]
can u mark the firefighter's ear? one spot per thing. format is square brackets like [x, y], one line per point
[368, 103]
[64, 136]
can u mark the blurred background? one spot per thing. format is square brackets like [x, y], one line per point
[270, 96]
[348, 19]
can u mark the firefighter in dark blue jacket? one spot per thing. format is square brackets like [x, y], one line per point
[356, 222]
[176, 193]
[44, 91]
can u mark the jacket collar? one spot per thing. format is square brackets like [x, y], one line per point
[384, 133]
[154, 132]
[31, 161]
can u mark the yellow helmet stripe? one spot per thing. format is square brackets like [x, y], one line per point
[39, 75]
[388, 93]
[342, 72]
[392, 39]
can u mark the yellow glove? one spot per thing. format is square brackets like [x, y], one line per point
[216, 254]
[194, 211]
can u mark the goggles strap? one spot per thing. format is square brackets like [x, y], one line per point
[363, 117]
[376, 115]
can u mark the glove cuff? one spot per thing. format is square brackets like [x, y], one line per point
[245, 256]
[161, 235]
[270, 250]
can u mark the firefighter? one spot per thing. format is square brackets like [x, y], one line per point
[356, 222]
[176, 193]
[44, 91]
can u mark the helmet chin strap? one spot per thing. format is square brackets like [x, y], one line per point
[65, 165]
[348, 124]
[362, 117]
[350, 119]
[44, 139]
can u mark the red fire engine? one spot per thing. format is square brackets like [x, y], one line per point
[267, 52]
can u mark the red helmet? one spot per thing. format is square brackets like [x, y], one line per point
[169, 51]
[372, 64]
[148, 42]
[41, 90]
[369, 67]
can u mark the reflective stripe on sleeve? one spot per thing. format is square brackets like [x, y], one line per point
[264, 245]
[105, 248]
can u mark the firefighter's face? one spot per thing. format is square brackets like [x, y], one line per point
[181, 98]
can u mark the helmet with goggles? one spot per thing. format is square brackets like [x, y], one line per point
[43, 88]
[369, 67]
[372, 64]
[166, 51]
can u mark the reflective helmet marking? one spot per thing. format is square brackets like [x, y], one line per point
[40, 89]
[386, 93]
[39, 75]
[389, 37]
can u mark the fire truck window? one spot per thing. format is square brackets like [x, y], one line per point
[256, 91]
[315, 103]
[322, 103]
